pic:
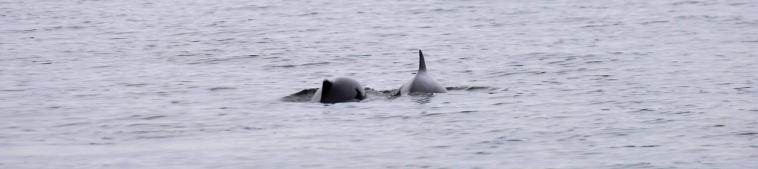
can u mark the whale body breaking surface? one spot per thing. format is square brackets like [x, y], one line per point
[422, 82]
[340, 89]
[343, 89]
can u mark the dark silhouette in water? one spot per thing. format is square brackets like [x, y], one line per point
[348, 90]
[341, 89]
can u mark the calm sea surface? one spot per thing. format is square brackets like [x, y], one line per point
[534, 84]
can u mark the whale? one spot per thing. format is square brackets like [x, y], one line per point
[422, 82]
[338, 90]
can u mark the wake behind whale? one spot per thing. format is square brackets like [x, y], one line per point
[306, 95]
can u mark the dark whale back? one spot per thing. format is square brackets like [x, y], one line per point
[339, 90]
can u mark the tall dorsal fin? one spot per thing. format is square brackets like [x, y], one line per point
[422, 64]
[325, 87]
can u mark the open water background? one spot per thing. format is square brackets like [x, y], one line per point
[538, 84]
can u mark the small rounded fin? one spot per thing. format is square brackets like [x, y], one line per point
[359, 95]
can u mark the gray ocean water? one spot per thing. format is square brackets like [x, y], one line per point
[535, 84]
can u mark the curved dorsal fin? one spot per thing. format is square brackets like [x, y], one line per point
[422, 64]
